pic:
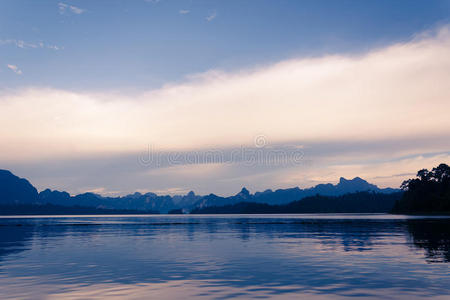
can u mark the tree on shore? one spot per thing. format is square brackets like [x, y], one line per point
[428, 193]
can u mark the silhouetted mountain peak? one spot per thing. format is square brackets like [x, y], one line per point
[190, 194]
[53, 197]
[355, 184]
[150, 195]
[5, 173]
[244, 193]
[135, 195]
[14, 189]
[342, 180]
[357, 179]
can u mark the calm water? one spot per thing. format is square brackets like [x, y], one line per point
[223, 257]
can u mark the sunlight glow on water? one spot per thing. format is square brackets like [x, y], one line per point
[221, 257]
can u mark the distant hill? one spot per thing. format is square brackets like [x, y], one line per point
[15, 190]
[136, 201]
[283, 196]
[360, 202]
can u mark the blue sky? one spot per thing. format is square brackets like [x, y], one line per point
[145, 44]
[333, 88]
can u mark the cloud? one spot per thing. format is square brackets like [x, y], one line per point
[350, 114]
[184, 11]
[384, 173]
[28, 45]
[64, 7]
[211, 17]
[76, 10]
[15, 69]
[18, 43]
[53, 47]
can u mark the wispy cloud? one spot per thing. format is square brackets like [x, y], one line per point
[15, 69]
[18, 43]
[28, 45]
[53, 47]
[211, 17]
[76, 10]
[64, 7]
[184, 11]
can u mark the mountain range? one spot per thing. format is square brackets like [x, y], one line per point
[358, 202]
[15, 191]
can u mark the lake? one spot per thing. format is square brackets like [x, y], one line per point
[225, 257]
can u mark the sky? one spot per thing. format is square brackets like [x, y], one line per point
[171, 96]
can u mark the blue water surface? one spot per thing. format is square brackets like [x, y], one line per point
[225, 256]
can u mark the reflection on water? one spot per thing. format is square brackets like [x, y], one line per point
[220, 257]
[433, 236]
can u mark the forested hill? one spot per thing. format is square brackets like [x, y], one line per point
[428, 193]
[361, 202]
